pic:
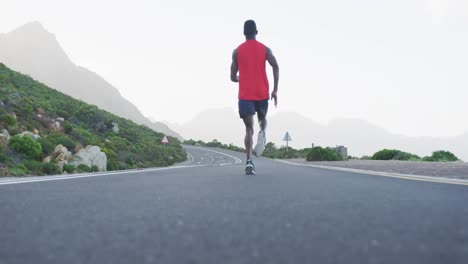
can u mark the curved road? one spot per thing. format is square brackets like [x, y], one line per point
[207, 211]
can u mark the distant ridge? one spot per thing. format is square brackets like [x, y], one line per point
[32, 50]
[360, 136]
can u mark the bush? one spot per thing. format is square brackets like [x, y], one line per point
[323, 154]
[59, 139]
[27, 146]
[190, 142]
[46, 145]
[441, 156]
[394, 154]
[83, 136]
[50, 168]
[112, 165]
[68, 168]
[386, 154]
[67, 127]
[214, 144]
[406, 156]
[3, 156]
[83, 168]
[19, 170]
[8, 120]
[34, 167]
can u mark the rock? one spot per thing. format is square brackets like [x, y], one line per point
[31, 134]
[35, 131]
[47, 159]
[61, 156]
[90, 156]
[55, 126]
[115, 127]
[5, 137]
[61, 119]
[41, 111]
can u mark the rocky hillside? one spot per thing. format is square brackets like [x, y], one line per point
[43, 131]
[34, 51]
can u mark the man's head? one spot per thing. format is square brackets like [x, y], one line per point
[250, 29]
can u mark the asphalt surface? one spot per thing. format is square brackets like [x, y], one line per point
[455, 170]
[207, 211]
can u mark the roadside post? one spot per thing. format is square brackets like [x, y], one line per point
[287, 138]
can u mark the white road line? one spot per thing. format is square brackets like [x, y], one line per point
[224, 164]
[236, 159]
[56, 178]
[385, 174]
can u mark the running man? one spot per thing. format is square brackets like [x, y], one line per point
[249, 59]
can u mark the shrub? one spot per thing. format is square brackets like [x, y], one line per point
[323, 154]
[34, 167]
[7, 119]
[68, 168]
[50, 168]
[47, 146]
[214, 144]
[190, 142]
[441, 156]
[19, 170]
[59, 139]
[3, 150]
[406, 156]
[385, 154]
[94, 168]
[112, 165]
[394, 154]
[67, 127]
[83, 168]
[83, 136]
[27, 146]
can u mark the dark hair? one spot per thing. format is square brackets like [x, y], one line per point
[250, 28]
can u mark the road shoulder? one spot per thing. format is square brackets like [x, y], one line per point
[394, 170]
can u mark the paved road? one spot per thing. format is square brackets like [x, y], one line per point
[455, 170]
[209, 212]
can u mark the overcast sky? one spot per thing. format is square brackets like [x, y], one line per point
[400, 64]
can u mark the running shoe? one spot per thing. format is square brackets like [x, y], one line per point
[249, 168]
[261, 142]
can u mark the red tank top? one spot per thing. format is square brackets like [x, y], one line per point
[253, 81]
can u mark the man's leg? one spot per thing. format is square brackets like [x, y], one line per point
[248, 140]
[262, 122]
[261, 107]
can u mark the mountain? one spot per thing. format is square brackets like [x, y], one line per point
[361, 137]
[32, 50]
[53, 118]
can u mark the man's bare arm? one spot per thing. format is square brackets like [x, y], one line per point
[234, 67]
[274, 64]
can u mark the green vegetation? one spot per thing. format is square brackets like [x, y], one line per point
[27, 146]
[273, 152]
[68, 168]
[27, 105]
[441, 156]
[7, 120]
[394, 154]
[323, 154]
